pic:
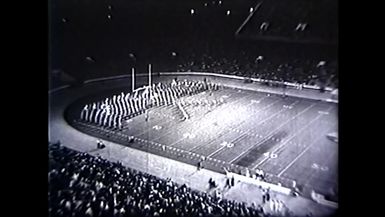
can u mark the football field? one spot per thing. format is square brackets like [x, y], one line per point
[286, 137]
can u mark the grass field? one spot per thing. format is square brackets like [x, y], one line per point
[285, 137]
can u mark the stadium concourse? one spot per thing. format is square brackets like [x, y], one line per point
[182, 173]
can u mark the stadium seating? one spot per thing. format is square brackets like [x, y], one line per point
[83, 185]
[296, 20]
[175, 40]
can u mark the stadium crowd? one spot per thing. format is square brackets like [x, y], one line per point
[310, 65]
[84, 185]
[309, 72]
[94, 41]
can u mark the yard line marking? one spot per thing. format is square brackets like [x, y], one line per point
[295, 134]
[290, 138]
[260, 122]
[225, 126]
[272, 133]
[273, 115]
[247, 131]
[254, 101]
[156, 123]
[219, 149]
[312, 174]
[197, 118]
[177, 141]
[220, 107]
[302, 153]
[232, 141]
[323, 112]
[171, 118]
[295, 159]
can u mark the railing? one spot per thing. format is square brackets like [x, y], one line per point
[296, 85]
[273, 187]
[258, 80]
[58, 88]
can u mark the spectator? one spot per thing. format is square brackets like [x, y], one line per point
[103, 188]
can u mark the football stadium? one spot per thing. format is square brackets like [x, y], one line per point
[193, 108]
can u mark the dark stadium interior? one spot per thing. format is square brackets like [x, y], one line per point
[268, 113]
[148, 31]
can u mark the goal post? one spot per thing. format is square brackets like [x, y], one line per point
[133, 79]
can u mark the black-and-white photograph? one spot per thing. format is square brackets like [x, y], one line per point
[184, 108]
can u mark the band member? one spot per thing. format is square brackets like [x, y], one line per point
[146, 115]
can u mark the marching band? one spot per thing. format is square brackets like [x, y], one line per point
[111, 111]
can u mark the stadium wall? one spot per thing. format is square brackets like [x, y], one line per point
[294, 89]
[266, 185]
